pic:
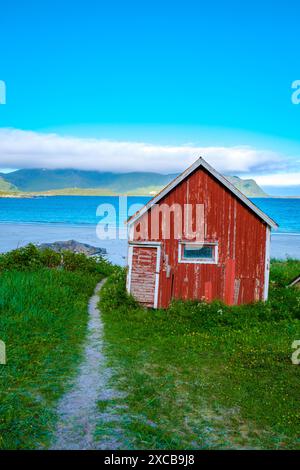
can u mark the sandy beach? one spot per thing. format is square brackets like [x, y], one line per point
[13, 235]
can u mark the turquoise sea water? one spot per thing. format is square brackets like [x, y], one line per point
[81, 210]
[75, 210]
[49, 219]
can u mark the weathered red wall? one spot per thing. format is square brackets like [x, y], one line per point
[241, 238]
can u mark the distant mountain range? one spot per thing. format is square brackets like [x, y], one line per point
[93, 182]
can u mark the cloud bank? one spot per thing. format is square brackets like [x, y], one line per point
[27, 149]
[280, 179]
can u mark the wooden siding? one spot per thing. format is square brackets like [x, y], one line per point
[143, 274]
[241, 236]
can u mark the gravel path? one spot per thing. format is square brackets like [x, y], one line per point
[78, 412]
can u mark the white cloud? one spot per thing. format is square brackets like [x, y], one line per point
[279, 179]
[27, 149]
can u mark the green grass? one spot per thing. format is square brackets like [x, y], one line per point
[194, 376]
[206, 376]
[43, 320]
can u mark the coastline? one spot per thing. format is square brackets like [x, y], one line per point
[91, 192]
[16, 234]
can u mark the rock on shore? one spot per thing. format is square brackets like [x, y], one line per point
[75, 247]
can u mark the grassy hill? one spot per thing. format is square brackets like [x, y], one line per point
[249, 187]
[45, 180]
[94, 183]
[144, 191]
[6, 186]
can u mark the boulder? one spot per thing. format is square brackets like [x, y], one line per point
[74, 246]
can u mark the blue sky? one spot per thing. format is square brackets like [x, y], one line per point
[208, 75]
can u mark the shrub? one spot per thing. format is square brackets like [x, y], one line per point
[50, 258]
[30, 257]
[283, 303]
[25, 258]
[114, 295]
[283, 272]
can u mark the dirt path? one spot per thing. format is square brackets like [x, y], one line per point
[78, 412]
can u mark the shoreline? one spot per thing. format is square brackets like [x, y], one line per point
[37, 196]
[17, 234]
[92, 224]
[90, 193]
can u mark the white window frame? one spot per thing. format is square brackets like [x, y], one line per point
[181, 259]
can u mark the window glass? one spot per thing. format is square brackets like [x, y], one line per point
[205, 252]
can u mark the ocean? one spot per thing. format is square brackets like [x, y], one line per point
[48, 219]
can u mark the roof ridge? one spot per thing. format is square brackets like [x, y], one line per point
[222, 179]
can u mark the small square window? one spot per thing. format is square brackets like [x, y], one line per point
[198, 252]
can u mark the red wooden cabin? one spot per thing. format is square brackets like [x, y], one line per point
[230, 261]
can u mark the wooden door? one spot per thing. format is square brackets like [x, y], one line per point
[143, 276]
